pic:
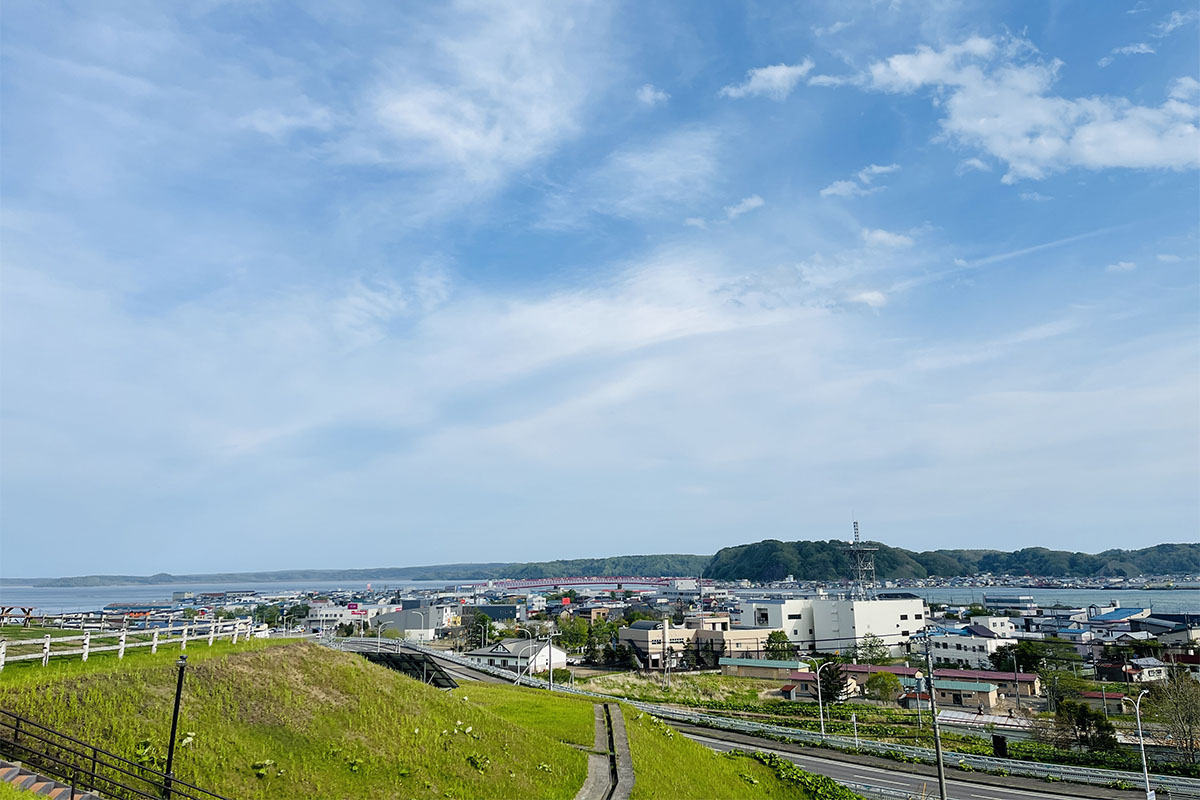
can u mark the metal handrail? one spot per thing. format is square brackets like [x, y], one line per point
[89, 778]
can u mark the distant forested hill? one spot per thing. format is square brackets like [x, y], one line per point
[825, 561]
[762, 561]
[646, 566]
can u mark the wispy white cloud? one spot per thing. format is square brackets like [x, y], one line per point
[775, 82]
[493, 94]
[829, 30]
[874, 298]
[744, 205]
[649, 96]
[660, 177]
[1140, 48]
[1174, 21]
[1169, 258]
[1035, 197]
[998, 98]
[862, 184]
[696, 222]
[847, 189]
[972, 165]
[1121, 266]
[875, 237]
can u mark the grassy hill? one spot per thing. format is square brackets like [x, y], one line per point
[287, 719]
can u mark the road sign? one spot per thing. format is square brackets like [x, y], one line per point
[352, 606]
[356, 613]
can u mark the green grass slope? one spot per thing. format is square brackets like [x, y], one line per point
[331, 724]
[268, 719]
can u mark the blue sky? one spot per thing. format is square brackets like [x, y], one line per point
[343, 285]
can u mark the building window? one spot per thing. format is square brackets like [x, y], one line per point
[794, 616]
[904, 616]
[904, 633]
[916, 616]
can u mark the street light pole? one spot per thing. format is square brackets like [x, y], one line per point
[820, 704]
[1137, 707]
[550, 656]
[528, 656]
[937, 734]
[182, 664]
[379, 634]
[1016, 678]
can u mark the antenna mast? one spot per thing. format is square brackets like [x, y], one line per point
[864, 567]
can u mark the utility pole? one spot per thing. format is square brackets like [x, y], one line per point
[937, 735]
[1016, 678]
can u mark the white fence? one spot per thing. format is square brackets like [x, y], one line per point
[82, 644]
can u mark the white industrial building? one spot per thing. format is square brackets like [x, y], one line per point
[835, 624]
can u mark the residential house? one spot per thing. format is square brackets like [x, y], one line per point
[761, 668]
[1029, 682]
[965, 694]
[1135, 670]
[803, 686]
[520, 654]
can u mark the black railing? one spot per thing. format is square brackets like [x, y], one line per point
[87, 768]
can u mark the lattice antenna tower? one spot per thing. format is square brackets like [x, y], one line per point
[864, 567]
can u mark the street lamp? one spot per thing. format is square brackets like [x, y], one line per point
[550, 657]
[379, 634]
[528, 656]
[820, 704]
[1016, 680]
[182, 664]
[1137, 708]
[424, 622]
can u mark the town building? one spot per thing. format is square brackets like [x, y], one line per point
[969, 647]
[520, 655]
[761, 668]
[966, 694]
[803, 686]
[1029, 683]
[836, 624]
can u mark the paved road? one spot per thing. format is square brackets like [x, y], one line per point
[919, 785]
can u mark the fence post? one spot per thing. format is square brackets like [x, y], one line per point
[183, 641]
[121, 646]
[46, 650]
[154, 643]
[87, 644]
[3, 653]
[212, 631]
[237, 626]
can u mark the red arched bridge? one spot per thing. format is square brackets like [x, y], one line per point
[619, 581]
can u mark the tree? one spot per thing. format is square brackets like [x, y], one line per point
[1176, 706]
[834, 683]
[1082, 726]
[573, 632]
[882, 686]
[872, 650]
[779, 647]
[480, 628]
[1032, 655]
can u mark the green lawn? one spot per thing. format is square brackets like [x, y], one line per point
[318, 723]
[570, 717]
[279, 718]
[669, 766]
[14, 633]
